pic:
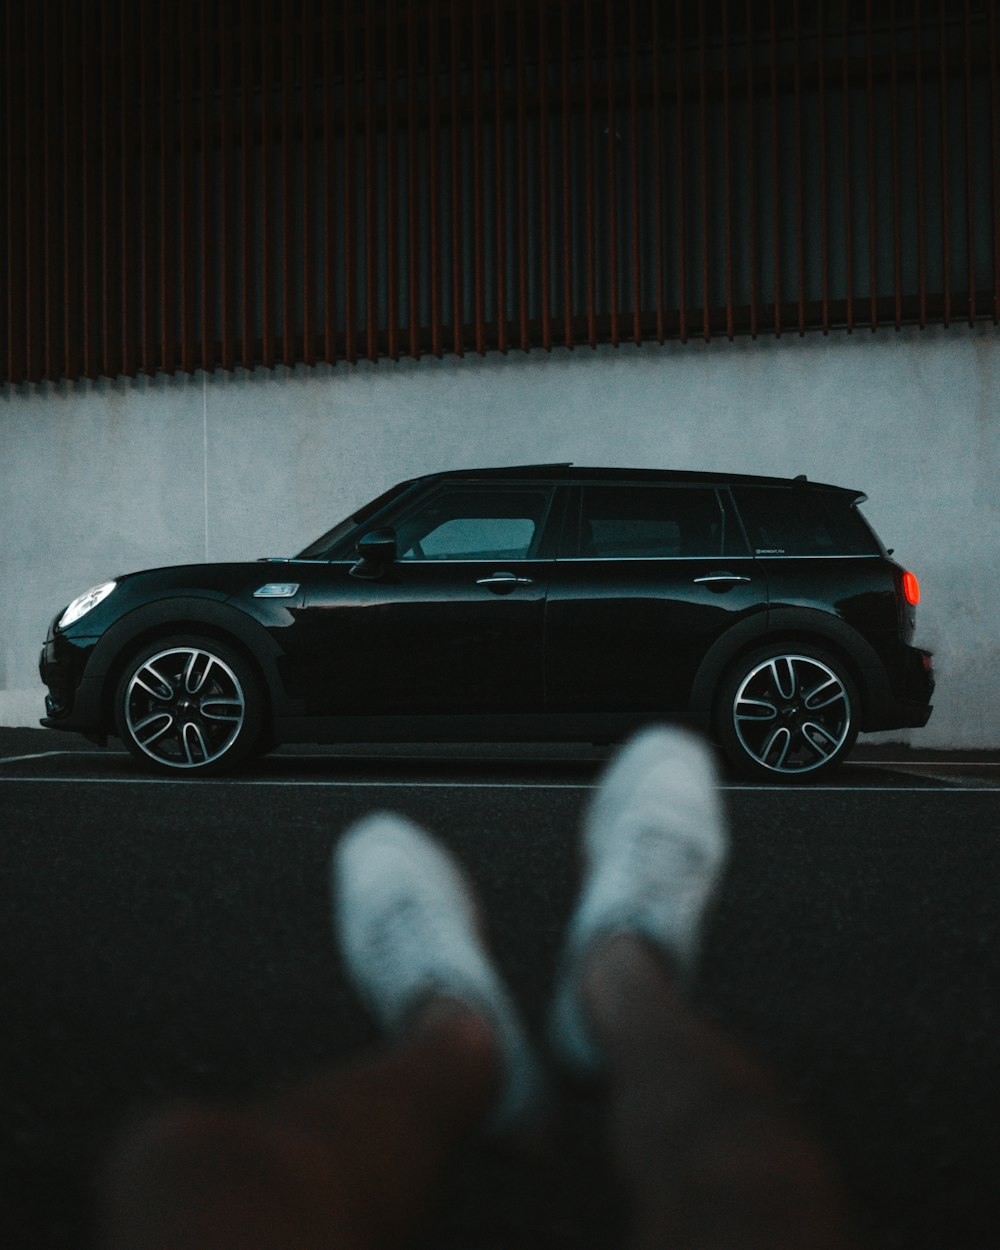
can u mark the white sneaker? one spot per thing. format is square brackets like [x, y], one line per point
[405, 920]
[654, 844]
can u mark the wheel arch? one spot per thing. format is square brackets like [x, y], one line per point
[204, 618]
[803, 626]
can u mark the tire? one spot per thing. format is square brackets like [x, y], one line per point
[788, 712]
[189, 706]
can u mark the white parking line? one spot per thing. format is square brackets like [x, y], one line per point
[477, 785]
[263, 781]
[41, 755]
[956, 789]
[925, 763]
[469, 759]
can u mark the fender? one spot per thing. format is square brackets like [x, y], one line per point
[183, 615]
[810, 625]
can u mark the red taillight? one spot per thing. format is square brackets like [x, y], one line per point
[911, 589]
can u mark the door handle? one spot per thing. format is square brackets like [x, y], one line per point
[709, 578]
[502, 583]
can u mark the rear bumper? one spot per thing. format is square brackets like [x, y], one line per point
[907, 702]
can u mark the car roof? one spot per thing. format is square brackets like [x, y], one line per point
[567, 471]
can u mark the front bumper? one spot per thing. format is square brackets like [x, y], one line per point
[72, 702]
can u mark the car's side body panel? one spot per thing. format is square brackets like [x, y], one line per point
[882, 706]
[144, 606]
[629, 636]
[424, 638]
[852, 601]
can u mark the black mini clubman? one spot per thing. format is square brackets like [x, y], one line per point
[543, 602]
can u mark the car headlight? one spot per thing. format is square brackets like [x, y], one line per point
[83, 603]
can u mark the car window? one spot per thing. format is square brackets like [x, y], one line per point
[783, 521]
[647, 522]
[474, 524]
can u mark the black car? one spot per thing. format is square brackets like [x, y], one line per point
[543, 602]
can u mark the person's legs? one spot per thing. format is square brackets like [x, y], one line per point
[407, 926]
[350, 1158]
[705, 1144]
[653, 844]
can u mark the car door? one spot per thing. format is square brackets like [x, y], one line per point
[652, 574]
[453, 625]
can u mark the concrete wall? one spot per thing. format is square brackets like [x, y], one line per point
[103, 478]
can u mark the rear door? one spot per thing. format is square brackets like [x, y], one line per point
[648, 578]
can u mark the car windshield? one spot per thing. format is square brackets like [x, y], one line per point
[321, 548]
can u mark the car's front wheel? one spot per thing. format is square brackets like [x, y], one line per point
[787, 713]
[189, 705]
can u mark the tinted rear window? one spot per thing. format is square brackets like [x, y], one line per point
[647, 522]
[797, 522]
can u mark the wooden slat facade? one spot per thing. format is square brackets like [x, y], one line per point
[221, 183]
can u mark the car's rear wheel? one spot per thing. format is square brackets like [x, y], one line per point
[189, 705]
[787, 713]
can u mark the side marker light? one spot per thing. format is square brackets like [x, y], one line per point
[277, 590]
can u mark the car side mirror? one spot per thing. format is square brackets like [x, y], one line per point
[375, 550]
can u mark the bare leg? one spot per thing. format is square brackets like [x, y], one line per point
[710, 1154]
[348, 1159]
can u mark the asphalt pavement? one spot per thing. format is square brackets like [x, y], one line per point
[161, 939]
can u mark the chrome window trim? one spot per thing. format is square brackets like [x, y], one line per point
[647, 559]
[721, 559]
[870, 555]
[497, 563]
[602, 559]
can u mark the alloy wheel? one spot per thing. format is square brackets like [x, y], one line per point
[792, 714]
[184, 707]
